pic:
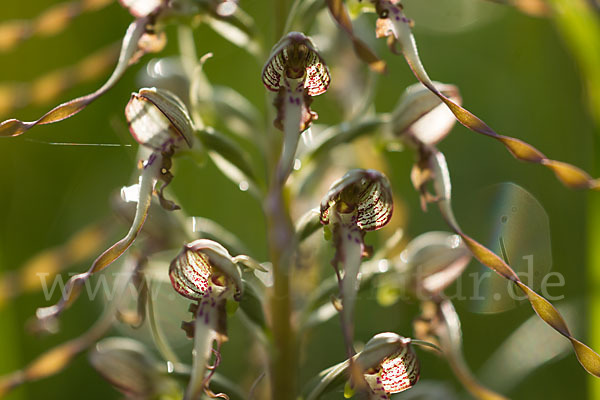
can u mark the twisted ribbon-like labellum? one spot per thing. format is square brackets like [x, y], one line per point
[129, 51]
[360, 201]
[158, 120]
[79, 248]
[394, 24]
[296, 71]
[436, 162]
[51, 84]
[150, 174]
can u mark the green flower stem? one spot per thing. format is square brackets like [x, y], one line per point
[281, 240]
[281, 245]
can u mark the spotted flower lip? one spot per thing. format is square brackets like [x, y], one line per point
[295, 57]
[391, 364]
[158, 119]
[366, 192]
[204, 268]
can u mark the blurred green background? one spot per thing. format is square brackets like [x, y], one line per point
[514, 71]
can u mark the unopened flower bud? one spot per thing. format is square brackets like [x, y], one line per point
[421, 116]
[127, 365]
[436, 260]
[159, 120]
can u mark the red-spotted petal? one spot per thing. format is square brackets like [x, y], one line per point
[190, 274]
[295, 56]
[400, 371]
[368, 192]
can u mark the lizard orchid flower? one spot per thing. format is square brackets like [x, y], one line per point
[160, 122]
[297, 72]
[206, 273]
[359, 202]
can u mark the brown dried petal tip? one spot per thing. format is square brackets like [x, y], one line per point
[295, 57]
[366, 192]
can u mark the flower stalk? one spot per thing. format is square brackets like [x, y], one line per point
[296, 72]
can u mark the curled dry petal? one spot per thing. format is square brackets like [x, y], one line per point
[204, 268]
[367, 192]
[588, 358]
[295, 56]
[159, 120]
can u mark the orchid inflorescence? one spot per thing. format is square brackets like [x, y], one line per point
[170, 120]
